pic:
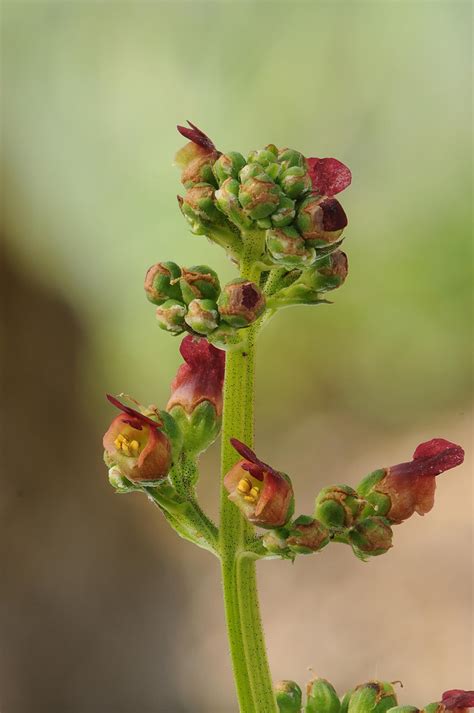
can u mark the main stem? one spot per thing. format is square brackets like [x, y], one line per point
[244, 626]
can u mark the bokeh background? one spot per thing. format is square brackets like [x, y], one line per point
[103, 609]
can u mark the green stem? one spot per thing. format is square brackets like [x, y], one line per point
[244, 626]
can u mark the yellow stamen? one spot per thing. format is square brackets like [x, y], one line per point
[134, 445]
[244, 486]
[254, 492]
[128, 448]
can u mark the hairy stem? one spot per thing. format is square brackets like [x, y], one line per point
[244, 626]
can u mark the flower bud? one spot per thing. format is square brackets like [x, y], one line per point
[307, 535]
[457, 701]
[321, 697]
[406, 488]
[404, 709]
[199, 145]
[241, 303]
[371, 536]
[196, 393]
[137, 446]
[287, 248]
[199, 203]
[372, 697]
[338, 506]
[284, 214]
[199, 282]
[264, 495]
[226, 338]
[288, 158]
[345, 701]
[253, 170]
[295, 182]
[228, 165]
[202, 316]
[259, 197]
[227, 199]
[321, 220]
[328, 175]
[199, 170]
[436, 708]
[332, 271]
[288, 697]
[170, 316]
[160, 282]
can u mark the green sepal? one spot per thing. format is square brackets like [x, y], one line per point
[199, 202]
[259, 197]
[228, 165]
[160, 283]
[226, 338]
[287, 248]
[434, 708]
[284, 214]
[202, 316]
[288, 697]
[368, 483]
[404, 709]
[372, 697]
[295, 182]
[345, 701]
[120, 483]
[377, 503]
[192, 287]
[174, 433]
[288, 158]
[199, 429]
[338, 506]
[227, 200]
[371, 537]
[170, 316]
[262, 156]
[252, 170]
[322, 697]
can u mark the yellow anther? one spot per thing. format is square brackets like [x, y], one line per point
[134, 445]
[254, 492]
[249, 498]
[125, 449]
[244, 486]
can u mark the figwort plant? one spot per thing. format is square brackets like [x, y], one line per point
[276, 216]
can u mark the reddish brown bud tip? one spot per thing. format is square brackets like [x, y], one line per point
[328, 175]
[455, 699]
[334, 217]
[196, 136]
[201, 378]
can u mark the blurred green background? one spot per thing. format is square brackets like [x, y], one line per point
[91, 94]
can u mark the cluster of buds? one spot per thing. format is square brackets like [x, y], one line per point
[361, 517]
[191, 299]
[370, 697]
[274, 192]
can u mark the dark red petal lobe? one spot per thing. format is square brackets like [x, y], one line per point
[439, 455]
[200, 378]
[131, 412]
[258, 465]
[196, 136]
[334, 217]
[199, 354]
[456, 698]
[329, 176]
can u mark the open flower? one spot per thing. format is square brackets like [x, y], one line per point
[410, 487]
[328, 175]
[135, 444]
[264, 495]
[457, 700]
[200, 378]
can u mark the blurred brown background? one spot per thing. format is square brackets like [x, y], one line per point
[103, 608]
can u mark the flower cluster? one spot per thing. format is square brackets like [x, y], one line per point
[361, 517]
[191, 299]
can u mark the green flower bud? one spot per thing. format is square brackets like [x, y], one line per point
[199, 202]
[160, 282]
[259, 197]
[170, 316]
[345, 701]
[307, 535]
[338, 506]
[372, 697]
[331, 271]
[371, 536]
[228, 166]
[289, 158]
[288, 697]
[284, 214]
[287, 248]
[434, 708]
[273, 149]
[199, 170]
[199, 428]
[321, 697]
[262, 156]
[295, 182]
[264, 223]
[404, 709]
[252, 170]
[199, 282]
[227, 199]
[273, 170]
[202, 316]
[378, 503]
[241, 303]
[226, 338]
[321, 220]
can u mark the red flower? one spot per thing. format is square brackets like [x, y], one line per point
[457, 700]
[329, 176]
[136, 445]
[264, 495]
[201, 378]
[411, 486]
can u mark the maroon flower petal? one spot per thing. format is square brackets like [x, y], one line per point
[132, 412]
[258, 465]
[196, 136]
[200, 378]
[329, 176]
[431, 458]
[456, 698]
